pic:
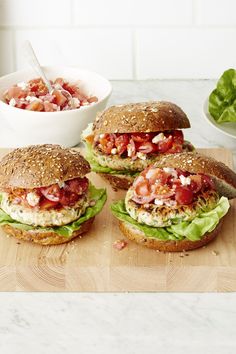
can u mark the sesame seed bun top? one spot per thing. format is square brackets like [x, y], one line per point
[41, 165]
[193, 162]
[140, 118]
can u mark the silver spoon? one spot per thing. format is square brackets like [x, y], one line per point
[33, 61]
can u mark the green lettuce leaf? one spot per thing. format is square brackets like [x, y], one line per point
[101, 169]
[192, 230]
[222, 100]
[98, 195]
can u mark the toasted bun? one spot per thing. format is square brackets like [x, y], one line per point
[118, 181]
[141, 117]
[139, 237]
[41, 165]
[193, 162]
[48, 237]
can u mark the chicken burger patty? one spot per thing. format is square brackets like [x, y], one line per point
[44, 217]
[166, 215]
[162, 197]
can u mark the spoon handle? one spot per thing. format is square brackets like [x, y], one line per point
[33, 61]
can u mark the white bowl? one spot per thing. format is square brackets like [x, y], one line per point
[63, 127]
[227, 128]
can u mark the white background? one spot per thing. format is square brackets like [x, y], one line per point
[123, 39]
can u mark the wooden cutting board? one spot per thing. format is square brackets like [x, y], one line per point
[92, 264]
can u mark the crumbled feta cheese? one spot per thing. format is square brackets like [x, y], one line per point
[158, 137]
[31, 98]
[141, 155]
[12, 102]
[171, 171]
[23, 85]
[158, 202]
[113, 151]
[129, 151]
[102, 136]
[76, 102]
[185, 181]
[32, 198]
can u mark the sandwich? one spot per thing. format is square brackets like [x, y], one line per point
[45, 196]
[178, 204]
[127, 138]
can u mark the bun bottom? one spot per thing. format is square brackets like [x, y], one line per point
[118, 181]
[45, 238]
[139, 237]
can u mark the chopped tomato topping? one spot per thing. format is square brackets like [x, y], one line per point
[52, 196]
[140, 137]
[20, 95]
[184, 195]
[165, 145]
[130, 144]
[35, 106]
[143, 188]
[169, 184]
[121, 143]
[52, 193]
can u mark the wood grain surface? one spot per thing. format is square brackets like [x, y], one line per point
[92, 264]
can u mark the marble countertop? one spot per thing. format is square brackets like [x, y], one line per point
[55, 323]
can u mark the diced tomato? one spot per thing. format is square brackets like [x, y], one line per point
[68, 198]
[143, 188]
[52, 192]
[146, 147]
[178, 137]
[196, 183]
[77, 185]
[207, 182]
[181, 172]
[164, 145]
[48, 107]
[60, 99]
[14, 92]
[70, 88]
[46, 204]
[120, 244]
[59, 81]
[140, 137]
[121, 143]
[156, 175]
[107, 143]
[184, 195]
[35, 106]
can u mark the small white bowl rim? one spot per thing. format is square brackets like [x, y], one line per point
[83, 108]
[208, 118]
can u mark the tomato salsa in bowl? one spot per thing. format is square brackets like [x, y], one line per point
[36, 116]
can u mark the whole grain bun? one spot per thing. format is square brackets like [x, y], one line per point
[40, 166]
[193, 162]
[118, 181]
[46, 238]
[134, 234]
[141, 117]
